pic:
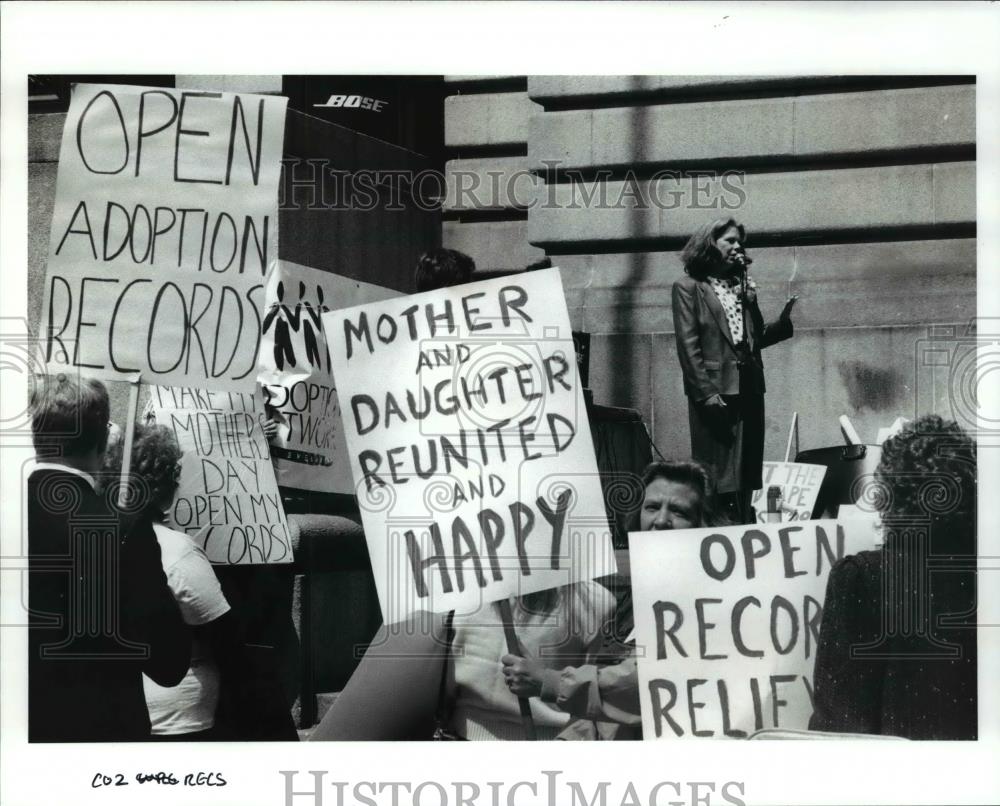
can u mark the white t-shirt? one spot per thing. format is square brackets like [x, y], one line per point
[189, 706]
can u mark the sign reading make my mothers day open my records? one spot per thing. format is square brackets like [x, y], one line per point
[164, 224]
[227, 500]
[727, 623]
[469, 443]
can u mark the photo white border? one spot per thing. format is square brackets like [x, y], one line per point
[486, 39]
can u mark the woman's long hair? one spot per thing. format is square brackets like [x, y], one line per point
[700, 253]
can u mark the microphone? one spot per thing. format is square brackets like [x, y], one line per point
[743, 258]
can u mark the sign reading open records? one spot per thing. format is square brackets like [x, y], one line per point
[727, 624]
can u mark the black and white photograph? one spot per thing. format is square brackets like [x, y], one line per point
[346, 399]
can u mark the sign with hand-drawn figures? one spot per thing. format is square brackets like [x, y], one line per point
[294, 371]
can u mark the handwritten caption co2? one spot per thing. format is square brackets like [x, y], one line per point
[100, 779]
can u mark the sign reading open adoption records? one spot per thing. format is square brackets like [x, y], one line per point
[165, 221]
[228, 498]
[727, 623]
[799, 485]
[309, 452]
[469, 444]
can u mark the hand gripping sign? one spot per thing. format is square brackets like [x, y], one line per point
[727, 624]
[165, 221]
[469, 444]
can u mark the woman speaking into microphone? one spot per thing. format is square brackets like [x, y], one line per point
[720, 333]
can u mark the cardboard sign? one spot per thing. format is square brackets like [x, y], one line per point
[727, 623]
[294, 371]
[165, 221]
[469, 444]
[799, 485]
[228, 498]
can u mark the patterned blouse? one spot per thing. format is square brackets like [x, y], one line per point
[728, 292]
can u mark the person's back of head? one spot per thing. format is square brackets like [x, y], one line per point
[928, 472]
[441, 268]
[154, 471]
[69, 418]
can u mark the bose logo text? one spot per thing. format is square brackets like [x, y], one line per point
[353, 102]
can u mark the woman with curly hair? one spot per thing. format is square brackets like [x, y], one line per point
[186, 711]
[719, 335]
[897, 646]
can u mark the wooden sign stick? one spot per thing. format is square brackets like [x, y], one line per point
[127, 436]
[514, 648]
[793, 431]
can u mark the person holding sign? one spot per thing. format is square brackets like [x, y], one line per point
[186, 711]
[605, 696]
[477, 481]
[897, 646]
[720, 333]
[550, 624]
[554, 627]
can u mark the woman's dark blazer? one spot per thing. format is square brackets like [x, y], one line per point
[704, 344]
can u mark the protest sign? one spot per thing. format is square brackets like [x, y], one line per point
[294, 370]
[228, 498]
[469, 444]
[165, 221]
[799, 485]
[727, 623]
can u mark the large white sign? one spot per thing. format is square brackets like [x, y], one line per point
[727, 623]
[469, 444]
[294, 370]
[165, 221]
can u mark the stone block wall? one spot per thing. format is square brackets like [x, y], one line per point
[858, 192]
